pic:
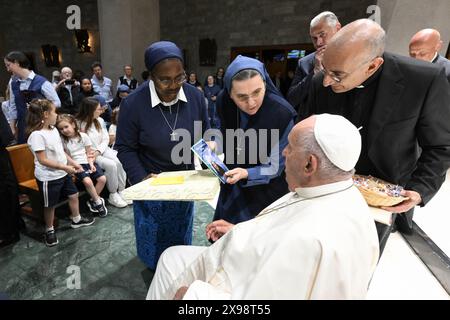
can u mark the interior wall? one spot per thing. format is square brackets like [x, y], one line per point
[126, 29]
[26, 25]
[403, 18]
[237, 23]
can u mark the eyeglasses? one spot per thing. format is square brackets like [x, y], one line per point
[339, 79]
[178, 80]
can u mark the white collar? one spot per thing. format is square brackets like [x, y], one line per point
[435, 56]
[30, 76]
[324, 189]
[155, 99]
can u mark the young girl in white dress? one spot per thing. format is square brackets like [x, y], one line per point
[77, 146]
[90, 122]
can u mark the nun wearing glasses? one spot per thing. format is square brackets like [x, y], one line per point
[251, 104]
[146, 135]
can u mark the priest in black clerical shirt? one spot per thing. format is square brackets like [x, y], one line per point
[401, 106]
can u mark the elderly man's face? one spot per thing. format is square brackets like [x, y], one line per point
[422, 51]
[66, 73]
[322, 33]
[249, 94]
[168, 77]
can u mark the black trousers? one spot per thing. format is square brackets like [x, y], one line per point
[401, 222]
[10, 220]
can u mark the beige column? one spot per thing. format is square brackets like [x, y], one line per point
[126, 27]
[403, 18]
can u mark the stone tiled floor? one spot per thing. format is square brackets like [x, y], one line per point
[105, 253]
[110, 269]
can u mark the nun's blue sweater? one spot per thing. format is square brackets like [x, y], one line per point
[143, 138]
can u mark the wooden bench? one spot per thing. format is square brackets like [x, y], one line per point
[22, 160]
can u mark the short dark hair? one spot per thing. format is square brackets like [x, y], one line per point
[19, 57]
[145, 74]
[95, 65]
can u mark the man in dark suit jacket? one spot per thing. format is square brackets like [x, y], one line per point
[322, 29]
[444, 63]
[402, 107]
[425, 45]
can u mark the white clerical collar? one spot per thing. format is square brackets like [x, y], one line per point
[435, 56]
[155, 99]
[324, 189]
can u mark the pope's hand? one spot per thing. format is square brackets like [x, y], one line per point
[405, 206]
[216, 229]
[233, 176]
[180, 293]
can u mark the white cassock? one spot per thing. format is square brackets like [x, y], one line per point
[315, 243]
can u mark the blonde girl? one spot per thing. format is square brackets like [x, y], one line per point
[78, 145]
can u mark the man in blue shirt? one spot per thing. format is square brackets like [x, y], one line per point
[100, 83]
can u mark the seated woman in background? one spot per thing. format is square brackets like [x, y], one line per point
[86, 90]
[93, 125]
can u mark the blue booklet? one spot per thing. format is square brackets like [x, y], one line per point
[210, 159]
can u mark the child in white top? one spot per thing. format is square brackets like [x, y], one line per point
[113, 127]
[91, 123]
[78, 145]
[52, 167]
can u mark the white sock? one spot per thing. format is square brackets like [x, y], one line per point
[99, 201]
[47, 229]
[76, 219]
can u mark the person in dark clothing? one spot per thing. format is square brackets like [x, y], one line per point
[67, 90]
[145, 74]
[425, 45]
[218, 79]
[86, 90]
[401, 106]
[192, 79]
[122, 92]
[127, 79]
[322, 28]
[10, 220]
[147, 132]
[250, 102]
[211, 91]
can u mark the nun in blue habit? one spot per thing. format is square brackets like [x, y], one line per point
[146, 134]
[251, 101]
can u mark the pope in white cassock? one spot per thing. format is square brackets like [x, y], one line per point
[317, 242]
